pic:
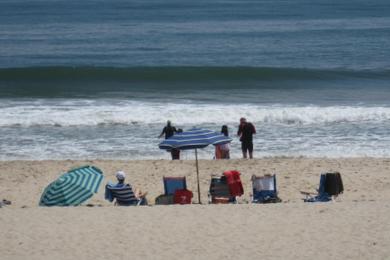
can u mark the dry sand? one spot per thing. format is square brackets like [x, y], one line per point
[355, 226]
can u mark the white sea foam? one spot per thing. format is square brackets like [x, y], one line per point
[263, 148]
[132, 127]
[91, 113]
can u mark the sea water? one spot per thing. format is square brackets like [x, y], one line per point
[99, 79]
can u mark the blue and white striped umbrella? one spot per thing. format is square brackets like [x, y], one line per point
[194, 139]
[73, 187]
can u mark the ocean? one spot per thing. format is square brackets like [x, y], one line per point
[99, 79]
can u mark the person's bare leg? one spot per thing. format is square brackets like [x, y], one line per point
[139, 194]
[244, 155]
[250, 155]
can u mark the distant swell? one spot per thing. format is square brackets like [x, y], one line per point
[175, 73]
[102, 81]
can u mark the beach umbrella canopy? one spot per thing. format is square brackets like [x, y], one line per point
[73, 187]
[194, 139]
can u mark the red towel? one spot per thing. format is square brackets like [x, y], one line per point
[234, 183]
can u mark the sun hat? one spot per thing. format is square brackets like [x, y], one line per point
[120, 175]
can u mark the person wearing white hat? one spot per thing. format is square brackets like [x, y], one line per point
[121, 176]
[123, 193]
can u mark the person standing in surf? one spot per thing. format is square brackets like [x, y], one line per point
[168, 130]
[222, 151]
[246, 130]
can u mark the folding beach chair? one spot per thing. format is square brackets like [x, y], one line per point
[175, 192]
[219, 191]
[123, 194]
[331, 185]
[171, 184]
[264, 189]
[226, 188]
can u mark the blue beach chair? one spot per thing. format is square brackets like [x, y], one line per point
[264, 189]
[171, 184]
[322, 196]
[331, 184]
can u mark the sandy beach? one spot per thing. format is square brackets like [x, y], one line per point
[355, 226]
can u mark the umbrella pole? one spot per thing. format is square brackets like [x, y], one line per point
[197, 174]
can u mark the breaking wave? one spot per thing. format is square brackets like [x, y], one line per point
[94, 112]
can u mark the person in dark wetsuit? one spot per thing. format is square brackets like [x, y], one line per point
[246, 130]
[168, 130]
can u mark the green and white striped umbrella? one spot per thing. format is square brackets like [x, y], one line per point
[73, 187]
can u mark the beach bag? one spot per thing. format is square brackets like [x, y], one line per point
[182, 196]
[333, 183]
[164, 200]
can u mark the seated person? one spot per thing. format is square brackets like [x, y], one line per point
[123, 193]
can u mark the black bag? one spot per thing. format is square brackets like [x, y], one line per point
[164, 200]
[333, 183]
